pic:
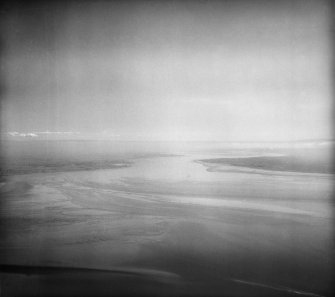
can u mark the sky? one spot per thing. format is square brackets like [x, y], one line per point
[169, 70]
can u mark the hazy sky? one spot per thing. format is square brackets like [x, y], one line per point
[187, 70]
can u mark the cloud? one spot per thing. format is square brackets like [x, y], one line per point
[40, 134]
[17, 134]
[57, 133]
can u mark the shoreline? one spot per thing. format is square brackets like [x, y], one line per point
[283, 164]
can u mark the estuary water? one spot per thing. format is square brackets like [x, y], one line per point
[154, 207]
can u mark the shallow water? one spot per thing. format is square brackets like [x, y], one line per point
[170, 213]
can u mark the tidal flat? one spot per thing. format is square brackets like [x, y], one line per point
[224, 232]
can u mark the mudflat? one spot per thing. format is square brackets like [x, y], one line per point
[200, 232]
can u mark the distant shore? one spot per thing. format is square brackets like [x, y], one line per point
[62, 167]
[276, 163]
